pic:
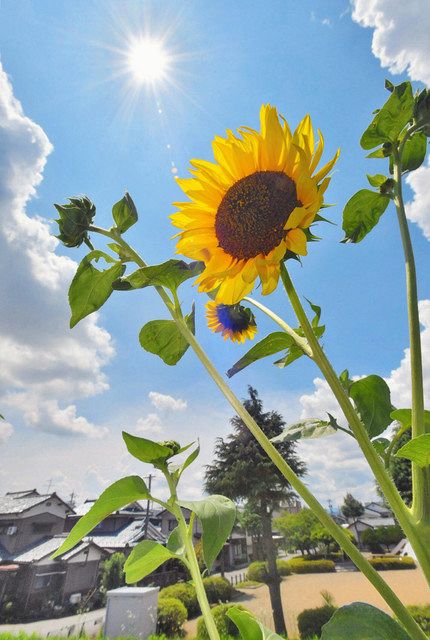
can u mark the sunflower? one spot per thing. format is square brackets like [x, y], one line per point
[252, 205]
[232, 321]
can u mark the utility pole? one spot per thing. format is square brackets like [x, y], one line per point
[49, 484]
[147, 505]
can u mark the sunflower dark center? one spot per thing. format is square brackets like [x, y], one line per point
[234, 317]
[252, 215]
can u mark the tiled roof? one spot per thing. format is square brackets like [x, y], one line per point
[128, 536]
[39, 550]
[10, 504]
[82, 509]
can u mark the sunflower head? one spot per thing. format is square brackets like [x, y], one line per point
[232, 321]
[252, 205]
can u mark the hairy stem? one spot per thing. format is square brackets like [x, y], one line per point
[401, 512]
[420, 477]
[192, 562]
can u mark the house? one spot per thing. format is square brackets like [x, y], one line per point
[31, 529]
[374, 515]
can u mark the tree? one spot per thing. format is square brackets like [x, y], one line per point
[250, 521]
[297, 529]
[351, 507]
[242, 471]
[112, 574]
[401, 470]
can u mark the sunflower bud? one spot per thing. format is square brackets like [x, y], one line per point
[173, 445]
[75, 220]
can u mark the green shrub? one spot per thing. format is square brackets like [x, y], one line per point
[257, 571]
[184, 592]
[311, 621]
[284, 568]
[394, 562]
[302, 565]
[171, 616]
[421, 615]
[225, 626]
[217, 589]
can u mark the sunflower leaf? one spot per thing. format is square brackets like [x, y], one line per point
[414, 152]
[391, 119]
[311, 428]
[169, 274]
[249, 627]
[371, 396]
[274, 342]
[361, 213]
[124, 213]
[163, 338]
[417, 450]
[90, 288]
[358, 621]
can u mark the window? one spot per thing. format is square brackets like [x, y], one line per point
[4, 528]
[42, 527]
[42, 582]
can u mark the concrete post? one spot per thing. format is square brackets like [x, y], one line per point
[131, 611]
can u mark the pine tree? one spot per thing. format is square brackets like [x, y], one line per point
[352, 508]
[242, 471]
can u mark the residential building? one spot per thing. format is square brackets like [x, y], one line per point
[375, 515]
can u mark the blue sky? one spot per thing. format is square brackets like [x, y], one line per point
[64, 65]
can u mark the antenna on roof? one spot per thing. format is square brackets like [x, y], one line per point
[49, 485]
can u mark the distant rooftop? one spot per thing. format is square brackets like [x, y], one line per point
[18, 501]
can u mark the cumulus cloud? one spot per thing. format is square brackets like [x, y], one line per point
[151, 425]
[418, 209]
[401, 34]
[45, 367]
[163, 401]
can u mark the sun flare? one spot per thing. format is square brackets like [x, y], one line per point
[147, 60]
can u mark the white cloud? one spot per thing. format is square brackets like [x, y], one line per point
[151, 425]
[45, 367]
[6, 431]
[401, 34]
[418, 209]
[163, 401]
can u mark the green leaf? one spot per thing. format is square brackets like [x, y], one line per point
[193, 455]
[217, 515]
[372, 399]
[404, 416]
[124, 213]
[391, 119]
[274, 342]
[414, 152]
[174, 543]
[360, 621]
[382, 152]
[163, 338]
[293, 353]
[144, 559]
[345, 380]
[120, 494]
[250, 628]
[125, 255]
[90, 288]
[377, 180]
[168, 274]
[311, 428]
[145, 450]
[362, 213]
[380, 444]
[417, 450]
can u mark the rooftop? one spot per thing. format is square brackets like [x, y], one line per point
[19, 501]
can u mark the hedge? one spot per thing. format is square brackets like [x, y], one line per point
[184, 592]
[217, 589]
[384, 563]
[258, 572]
[421, 615]
[302, 565]
[171, 616]
[311, 621]
[225, 626]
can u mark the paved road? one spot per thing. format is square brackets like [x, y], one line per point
[89, 623]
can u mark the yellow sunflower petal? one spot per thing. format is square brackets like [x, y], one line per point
[296, 241]
[318, 153]
[270, 282]
[327, 167]
[296, 218]
[273, 140]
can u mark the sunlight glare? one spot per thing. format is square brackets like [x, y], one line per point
[147, 60]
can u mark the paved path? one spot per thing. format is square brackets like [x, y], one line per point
[89, 623]
[304, 591]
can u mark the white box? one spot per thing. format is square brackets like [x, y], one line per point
[131, 611]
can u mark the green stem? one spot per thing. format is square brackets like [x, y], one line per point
[420, 477]
[301, 342]
[192, 562]
[337, 532]
[401, 512]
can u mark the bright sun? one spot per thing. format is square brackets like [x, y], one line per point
[147, 60]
